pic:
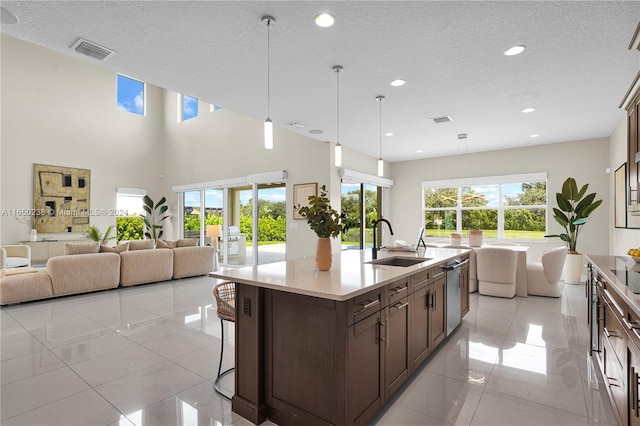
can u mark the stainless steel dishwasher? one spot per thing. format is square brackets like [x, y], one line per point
[453, 293]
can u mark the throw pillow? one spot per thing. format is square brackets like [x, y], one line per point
[117, 249]
[172, 244]
[162, 245]
[188, 242]
[141, 244]
[81, 248]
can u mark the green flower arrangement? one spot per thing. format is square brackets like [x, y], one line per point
[323, 219]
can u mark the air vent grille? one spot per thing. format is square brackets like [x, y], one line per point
[443, 119]
[91, 49]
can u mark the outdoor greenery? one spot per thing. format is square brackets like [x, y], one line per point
[351, 211]
[574, 207]
[526, 222]
[129, 228]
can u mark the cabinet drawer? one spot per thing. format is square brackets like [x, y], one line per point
[397, 290]
[364, 305]
[420, 280]
[633, 327]
[613, 331]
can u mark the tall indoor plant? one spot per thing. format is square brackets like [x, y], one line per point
[325, 221]
[154, 217]
[574, 208]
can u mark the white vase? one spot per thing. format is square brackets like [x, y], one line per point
[572, 271]
[34, 235]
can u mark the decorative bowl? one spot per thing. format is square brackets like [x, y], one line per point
[636, 258]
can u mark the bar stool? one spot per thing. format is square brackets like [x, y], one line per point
[225, 294]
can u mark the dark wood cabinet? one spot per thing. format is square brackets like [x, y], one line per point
[633, 384]
[396, 345]
[304, 360]
[464, 290]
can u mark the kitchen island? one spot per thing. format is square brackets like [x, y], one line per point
[330, 347]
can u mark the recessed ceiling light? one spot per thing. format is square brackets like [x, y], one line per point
[419, 151]
[535, 135]
[515, 50]
[398, 83]
[325, 20]
[388, 134]
[528, 110]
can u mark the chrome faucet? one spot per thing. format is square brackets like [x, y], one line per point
[374, 250]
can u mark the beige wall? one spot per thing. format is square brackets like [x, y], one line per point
[586, 161]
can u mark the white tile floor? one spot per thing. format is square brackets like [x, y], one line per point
[148, 355]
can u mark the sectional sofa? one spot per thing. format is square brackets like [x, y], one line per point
[92, 267]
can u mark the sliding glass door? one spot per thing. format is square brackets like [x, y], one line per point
[361, 203]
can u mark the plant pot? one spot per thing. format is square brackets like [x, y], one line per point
[572, 271]
[34, 235]
[323, 254]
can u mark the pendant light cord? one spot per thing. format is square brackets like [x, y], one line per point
[338, 105]
[269, 68]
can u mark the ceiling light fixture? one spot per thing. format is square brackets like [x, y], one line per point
[398, 83]
[419, 151]
[380, 161]
[528, 110]
[268, 124]
[325, 20]
[515, 50]
[338, 149]
[535, 135]
[388, 134]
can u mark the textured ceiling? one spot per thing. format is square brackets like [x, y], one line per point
[575, 70]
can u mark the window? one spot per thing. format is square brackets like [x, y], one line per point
[505, 207]
[189, 108]
[129, 221]
[130, 95]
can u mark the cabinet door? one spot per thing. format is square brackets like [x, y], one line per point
[396, 345]
[419, 342]
[365, 361]
[464, 291]
[614, 379]
[633, 384]
[438, 313]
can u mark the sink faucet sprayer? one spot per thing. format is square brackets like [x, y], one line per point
[374, 250]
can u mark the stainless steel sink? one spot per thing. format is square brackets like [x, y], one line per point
[399, 261]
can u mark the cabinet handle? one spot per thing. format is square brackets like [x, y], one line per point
[433, 301]
[401, 305]
[386, 329]
[380, 325]
[437, 275]
[610, 379]
[635, 391]
[366, 306]
[399, 289]
[610, 334]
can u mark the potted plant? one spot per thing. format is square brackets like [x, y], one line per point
[574, 208]
[94, 234]
[154, 217]
[325, 222]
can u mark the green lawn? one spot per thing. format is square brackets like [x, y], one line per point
[511, 235]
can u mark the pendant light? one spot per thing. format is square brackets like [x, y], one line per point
[268, 124]
[338, 149]
[380, 161]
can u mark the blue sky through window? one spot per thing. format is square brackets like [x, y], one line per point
[189, 107]
[130, 95]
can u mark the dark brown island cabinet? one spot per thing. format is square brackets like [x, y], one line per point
[306, 360]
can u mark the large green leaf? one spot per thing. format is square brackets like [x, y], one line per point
[570, 189]
[560, 217]
[587, 211]
[563, 202]
[582, 191]
[579, 221]
[586, 202]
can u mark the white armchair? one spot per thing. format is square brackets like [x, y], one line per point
[15, 256]
[496, 271]
[543, 278]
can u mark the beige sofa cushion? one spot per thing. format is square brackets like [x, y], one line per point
[81, 248]
[22, 287]
[187, 242]
[84, 272]
[192, 261]
[145, 266]
[141, 244]
[117, 249]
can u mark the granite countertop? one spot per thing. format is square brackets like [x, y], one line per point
[350, 274]
[625, 266]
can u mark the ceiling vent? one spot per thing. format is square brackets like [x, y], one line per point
[443, 119]
[89, 48]
[462, 135]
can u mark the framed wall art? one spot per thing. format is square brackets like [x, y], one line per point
[301, 193]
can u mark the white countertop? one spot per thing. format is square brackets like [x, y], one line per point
[606, 263]
[349, 276]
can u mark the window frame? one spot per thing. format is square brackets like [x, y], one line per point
[499, 181]
[144, 95]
